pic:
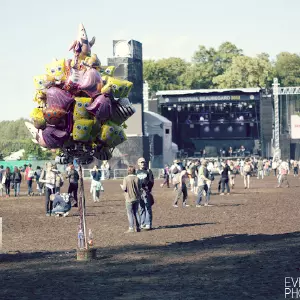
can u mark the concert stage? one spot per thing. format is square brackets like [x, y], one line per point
[214, 120]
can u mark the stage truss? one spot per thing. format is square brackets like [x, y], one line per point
[279, 91]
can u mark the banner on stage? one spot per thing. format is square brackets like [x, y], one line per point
[295, 127]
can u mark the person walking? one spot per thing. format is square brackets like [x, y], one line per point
[267, 168]
[202, 181]
[260, 168]
[16, 180]
[247, 173]
[181, 189]
[224, 172]
[37, 175]
[96, 175]
[166, 177]
[48, 178]
[193, 180]
[274, 166]
[232, 174]
[103, 170]
[295, 168]
[132, 189]
[2, 171]
[242, 164]
[29, 175]
[6, 180]
[146, 181]
[73, 177]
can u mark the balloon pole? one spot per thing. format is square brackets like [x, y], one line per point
[81, 206]
[88, 253]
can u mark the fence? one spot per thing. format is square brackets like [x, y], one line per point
[121, 173]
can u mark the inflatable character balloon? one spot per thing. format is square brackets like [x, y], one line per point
[82, 107]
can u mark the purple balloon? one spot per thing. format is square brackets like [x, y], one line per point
[53, 138]
[89, 82]
[100, 108]
[57, 97]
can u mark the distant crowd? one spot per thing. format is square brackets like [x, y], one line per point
[198, 175]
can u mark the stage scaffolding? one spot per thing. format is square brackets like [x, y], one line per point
[286, 103]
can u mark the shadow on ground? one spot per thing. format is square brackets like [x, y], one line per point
[223, 267]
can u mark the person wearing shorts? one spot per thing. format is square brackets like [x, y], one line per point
[247, 173]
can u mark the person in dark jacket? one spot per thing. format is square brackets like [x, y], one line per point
[224, 172]
[37, 175]
[7, 181]
[146, 182]
[16, 180]
[73, 177]
[2, 171]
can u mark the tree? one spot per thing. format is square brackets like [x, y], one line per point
[196, 77]
[247, 72]
[14, 130]
[34, 150]
[164, 74]
[225, 54]
[209, 63]
[287, 68]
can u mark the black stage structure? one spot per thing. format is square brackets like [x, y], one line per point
[217, 119]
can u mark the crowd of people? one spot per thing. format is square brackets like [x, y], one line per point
[188, 176]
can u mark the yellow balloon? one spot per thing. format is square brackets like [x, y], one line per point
[57, 71]
[119, 88]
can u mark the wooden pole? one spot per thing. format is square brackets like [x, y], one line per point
[81, 206]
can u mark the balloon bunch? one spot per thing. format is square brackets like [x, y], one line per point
[82, 108]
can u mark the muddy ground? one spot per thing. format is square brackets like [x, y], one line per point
[243, 247]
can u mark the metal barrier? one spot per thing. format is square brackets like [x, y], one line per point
[121, 173]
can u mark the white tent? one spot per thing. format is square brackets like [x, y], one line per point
[157, 124]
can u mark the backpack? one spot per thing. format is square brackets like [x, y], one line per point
[30, 174]
[43, 177]
[247, 168]
[175, 170]
[176, 178]
[234, 171]
[59, 181]
[211, 176]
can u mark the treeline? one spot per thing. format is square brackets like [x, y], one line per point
[15, 136]
[224, 67]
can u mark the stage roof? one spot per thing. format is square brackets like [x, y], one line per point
[206, 91]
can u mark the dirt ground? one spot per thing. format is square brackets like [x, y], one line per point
[243, 247]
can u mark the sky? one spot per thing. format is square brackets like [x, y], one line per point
[33, 33]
